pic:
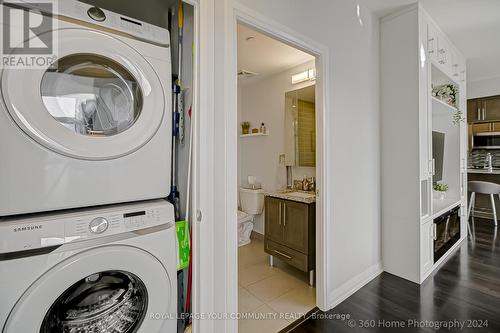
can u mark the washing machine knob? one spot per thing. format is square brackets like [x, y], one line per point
[96, 14]
[98, 225]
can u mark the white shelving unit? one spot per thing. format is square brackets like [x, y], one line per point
[416, 56]
[441, 206]
[253, 134]
[446, 105]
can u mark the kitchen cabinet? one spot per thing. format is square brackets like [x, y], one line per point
[290, 232]
[491, 108]
[473, 111]
[483, 109]
[495, 126]
[481, 128]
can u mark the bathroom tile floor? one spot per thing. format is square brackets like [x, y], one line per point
[278, 295]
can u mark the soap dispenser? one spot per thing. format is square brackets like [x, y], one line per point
[262, 128]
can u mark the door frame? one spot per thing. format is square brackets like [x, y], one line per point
[240, 13]
[215, 289]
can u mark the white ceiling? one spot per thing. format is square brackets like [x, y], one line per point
[472, 25]
[264, 55]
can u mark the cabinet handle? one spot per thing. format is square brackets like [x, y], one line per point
[462, 187]
[279, 217]
[430, 42]
[442, 61]
[478, 113]
[434, 232]
[282, 254]
[433, 167]
[284, 214]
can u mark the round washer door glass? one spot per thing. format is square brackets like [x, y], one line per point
[88, 289]
[110, 301]
[100, 100]
[91, 95]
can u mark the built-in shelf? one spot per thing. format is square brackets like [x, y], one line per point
[441, 206]
[438, 101]
[254, 134]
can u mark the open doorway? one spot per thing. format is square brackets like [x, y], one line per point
[276, 182]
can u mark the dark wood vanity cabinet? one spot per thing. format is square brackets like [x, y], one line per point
[290, 232]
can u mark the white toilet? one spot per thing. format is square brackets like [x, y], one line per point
[252, 203]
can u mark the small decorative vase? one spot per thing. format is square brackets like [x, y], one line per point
[245, 130]
[441, 195]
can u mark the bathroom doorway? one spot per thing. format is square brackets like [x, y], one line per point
[276, 178]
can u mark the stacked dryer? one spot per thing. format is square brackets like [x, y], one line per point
[93, 128]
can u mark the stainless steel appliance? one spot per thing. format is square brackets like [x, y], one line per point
[487, 140]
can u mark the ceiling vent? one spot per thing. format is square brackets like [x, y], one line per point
[246, 74]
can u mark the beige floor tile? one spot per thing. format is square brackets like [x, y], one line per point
[273, 286]
[290, 270]
[281, 290]
[272, 324]
[247, 302]
[296, 301]
[255, 273]
[252, 254]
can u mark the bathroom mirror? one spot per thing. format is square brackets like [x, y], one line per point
[300, 127]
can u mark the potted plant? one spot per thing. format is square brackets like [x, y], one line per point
[245, 127]
[448, 93]
[440, 190]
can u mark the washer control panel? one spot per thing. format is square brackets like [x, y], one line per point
[44, 230]
[98, 225]
[115, 222]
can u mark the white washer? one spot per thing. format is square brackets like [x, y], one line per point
[113, 266]
[94, 128]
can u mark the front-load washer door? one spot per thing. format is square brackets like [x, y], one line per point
[106, 289]
[100, 100]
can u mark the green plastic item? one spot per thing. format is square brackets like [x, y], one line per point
[182, 229]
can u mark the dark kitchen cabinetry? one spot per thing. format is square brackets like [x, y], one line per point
[483, 109]
[473, 111]
[290, 232]
[491, 108]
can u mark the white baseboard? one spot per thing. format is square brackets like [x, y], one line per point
[340, 294]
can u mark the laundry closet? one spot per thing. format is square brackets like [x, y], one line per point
[95, 176]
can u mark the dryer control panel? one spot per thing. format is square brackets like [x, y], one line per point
[45, 230]
[86, 13]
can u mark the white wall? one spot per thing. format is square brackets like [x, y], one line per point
[354, 252]
[264, 101]
[483, 88]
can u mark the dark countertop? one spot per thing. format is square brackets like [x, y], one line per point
[484, 171]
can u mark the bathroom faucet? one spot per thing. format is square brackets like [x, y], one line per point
[289, 177]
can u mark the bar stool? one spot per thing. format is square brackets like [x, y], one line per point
[483, 188]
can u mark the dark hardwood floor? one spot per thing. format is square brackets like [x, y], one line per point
[466, 289]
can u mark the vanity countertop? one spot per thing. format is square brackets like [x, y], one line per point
[293, 195]
[484, 171]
